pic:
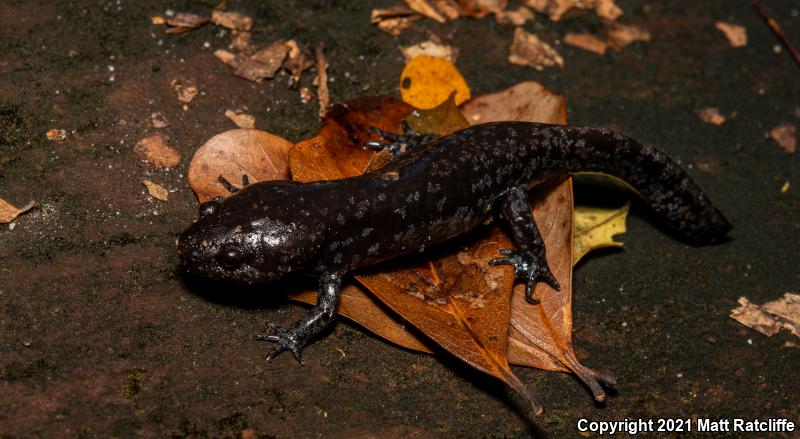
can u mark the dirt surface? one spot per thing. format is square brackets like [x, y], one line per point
[101, 336]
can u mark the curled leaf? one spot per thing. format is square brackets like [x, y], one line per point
[257, 154]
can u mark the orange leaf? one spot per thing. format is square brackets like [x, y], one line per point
[427, 81]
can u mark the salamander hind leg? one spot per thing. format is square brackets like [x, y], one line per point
[300, 333]
[529, 258]
[399, 143]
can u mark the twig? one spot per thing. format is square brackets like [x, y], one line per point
[762, 11]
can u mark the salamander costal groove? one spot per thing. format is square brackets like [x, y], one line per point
[438, 189]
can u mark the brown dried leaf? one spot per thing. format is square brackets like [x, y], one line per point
[155, 150]
[711, 115]
[9, 213]
[786, 137]
[482, 8]
[322, 80]
[527, 100]
[423, 7]
[736, 35]
[232, 20]
[556, 9]
[442, 120]
[186, 20]
[263, 64]
[607, 9]
[241, 41]
[394, 20]
[620, 35]
[528, 50]
[156, 190]
[430, 48]
[242, 120]
[517, 17]
[232, 154]
[771, 317]
[332, 152]
[589, 42]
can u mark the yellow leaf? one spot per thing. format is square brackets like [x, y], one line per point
[595, 228]
[427, 81]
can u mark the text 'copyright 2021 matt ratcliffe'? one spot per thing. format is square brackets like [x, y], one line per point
[686, 425]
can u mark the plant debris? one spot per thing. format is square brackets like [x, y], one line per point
[394, 20]
[262, 64]
[620, 35]
[257, 154]
[785, 136]
[771, 317]
[232, 20]
[158, 120]
[557, 9]
[736, 35]
[241, 119]
[322, 80]
[596, 228]
[9, 213]
[517, 17]
[185, 89]
[56, 135]
[296, 62]
[155, 150]
[589, 42]
[527, 100]
[711, 115]
[528, 50]
[184, 21]
[777, 29]
[156, 190]
[430, 48]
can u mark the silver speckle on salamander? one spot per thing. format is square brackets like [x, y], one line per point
[440, 188]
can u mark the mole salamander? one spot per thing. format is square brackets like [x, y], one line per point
[441, 187]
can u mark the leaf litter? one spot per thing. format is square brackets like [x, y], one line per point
[9, 212]
[155, 150]
[528, 50]
[785, 136]
[771, 317]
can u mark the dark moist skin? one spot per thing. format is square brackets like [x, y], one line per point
[438, 189]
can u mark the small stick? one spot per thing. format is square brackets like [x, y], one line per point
[773, 24]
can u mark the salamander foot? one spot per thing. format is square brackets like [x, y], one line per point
[398, 143]
[528, 267]
[286, 341]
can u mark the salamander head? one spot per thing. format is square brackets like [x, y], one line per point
[234, 241]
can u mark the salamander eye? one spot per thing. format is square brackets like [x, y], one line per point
[229, 257]
[209, 207]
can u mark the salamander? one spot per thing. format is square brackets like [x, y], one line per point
[437, 189]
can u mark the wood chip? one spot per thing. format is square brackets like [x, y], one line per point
[786, 137]
[589, 42]
[711, 115]
[9, 213]
[528, 50]
[736, 35]
[57, 135]
[155, 150]
[430, 48]
[156, 190]
[620, 35]
[185, 90]
[232, 20]
[322, 80]
[242, 120]
[158, 120]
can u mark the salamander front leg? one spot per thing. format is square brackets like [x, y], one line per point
[399, 143]
[528, 259]
[297, 336]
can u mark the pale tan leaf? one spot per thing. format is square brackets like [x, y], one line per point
[9, 213]
[155, 150]
[589, 42]
[528, 50]
[595, 228]
[736, 35]
[156, 190]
